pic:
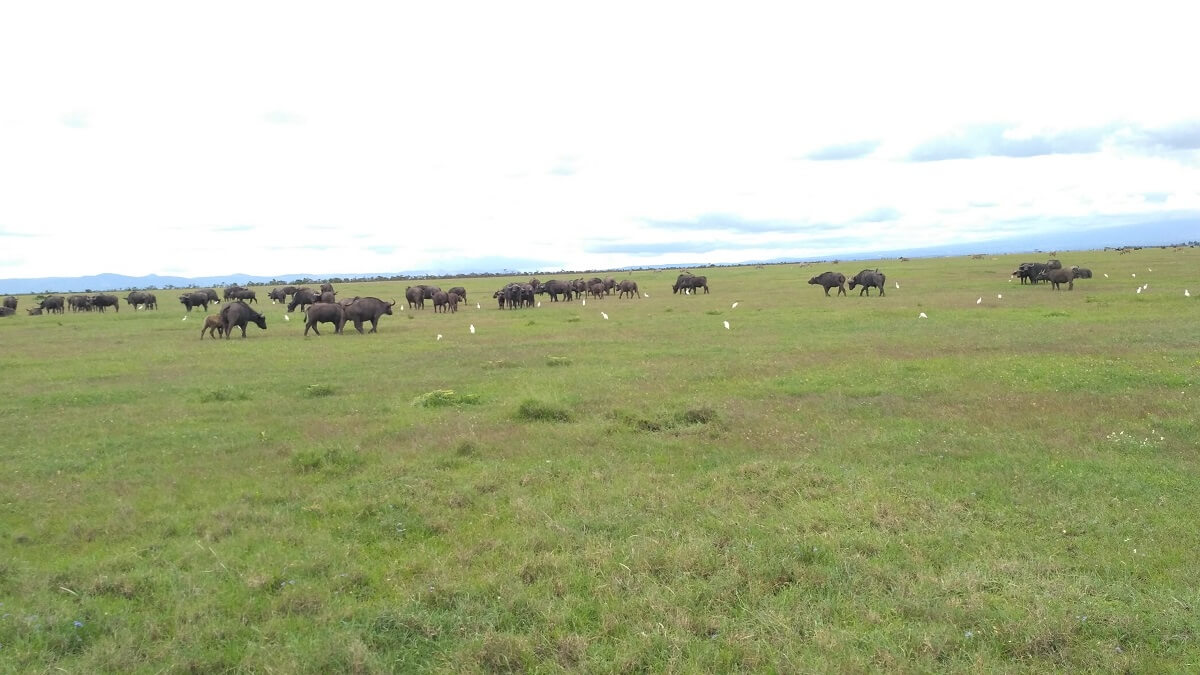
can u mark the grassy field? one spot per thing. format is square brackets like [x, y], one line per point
[831, 484]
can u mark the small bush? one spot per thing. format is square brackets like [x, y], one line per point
[558, 361]
[697, 416]
[466, 448]
[334, 459]
[442, 398]
[318, 390]
[538, 411]
[224, 394]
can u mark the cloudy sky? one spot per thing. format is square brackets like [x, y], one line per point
[272, 138]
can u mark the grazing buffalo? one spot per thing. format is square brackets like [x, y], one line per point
[302, 299]
[212, 295]
[327, 296]
[1059, 276]
[7, 311]
[680, 282]
[556, 288]
[244, 294]
[867, 279]
[326, 287]
[578, 287]
[10, 302]
[103, 300]
[230, 292]
[368, 309]
[441, 302]
[453, 299]
[52, 305]
[597, 290]
[414, 296]
[238, 314]
[195, 299]
[828, 280]
[460, 292]
[692, 283]
[276, 295]
[326, 312]
[80, 303]
[428, 291]
[212, 326]
[136, 298]
[289, 290]
[1081, 272]
[629, 287]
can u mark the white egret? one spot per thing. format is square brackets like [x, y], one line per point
[472, 329]
[733, 306]
[726, 325]
[439, 336]
[604, 315]
[922, 316]
[184, 318]
[979, 300]
[286, 317]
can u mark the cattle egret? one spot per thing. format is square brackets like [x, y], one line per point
[184, 318]
[478, 306]
[998, 296]
[439, 336]
[286, 317]
[401, 308]
[1139, 290]
[472, 329]
[584, 303]
[1105, 276]
[1134, 274]
[979, 300]
[687, 291]
[646, 294]
[539, 303]
[604, 315]
[1149, 270]
[726, 325]
[922, 316]
[733, 306]
[897, 284]
[1186, 294]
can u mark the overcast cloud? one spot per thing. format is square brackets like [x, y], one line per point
[280, 137]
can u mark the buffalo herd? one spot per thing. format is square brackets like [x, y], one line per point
[1051, 271]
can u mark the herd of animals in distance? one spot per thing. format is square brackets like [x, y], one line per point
[323, 307]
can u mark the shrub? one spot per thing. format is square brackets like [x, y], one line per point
[318, 390]
[224, 394]
[441, 398]
[538, 411]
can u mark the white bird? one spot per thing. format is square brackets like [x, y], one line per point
[1139, 290]
[472, 329]
[1149, 270]
[539, 303]
[998, 296]
[401, 308]
[922, 316]
[1186, 294]
[184, 318]
[604, 315]
[584, 303]
[478, 306]
[1134, 274]
[1146, 287]
[733, 306]
[687, 291]
[897, 284]
[439, 336]
[646, 294]
[979, 300]
[1105, 276]
[726, 325]
[286, 317]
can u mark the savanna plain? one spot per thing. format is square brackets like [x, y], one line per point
[828, 484]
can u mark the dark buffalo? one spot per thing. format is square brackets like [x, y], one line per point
[302, 298]
[327, 296]
[1053, 265]
[579, 287]
[151, 301]
[428, 291]
[694, 283]
[289, 290]
[441, 302]
[212, 326]
[231, 291]
[1059, 276]
[104, 300]
[10, 302]
[828, 280]
[52, 305]
[7, 311]
[681, 281]
[276, 295]
[80, 303]
[238, 314]
[136, 298]
[368, 309]
[326, 287]
[460, 292]
[1081, 272]
[629, 287]
[597, 290]
[453, 299]
[867, 279]
[414, 296]
[34, 311]
[556, 288]
[346, 302]
[244, 294]
[211, 294]
[326, 312]
[195, 299]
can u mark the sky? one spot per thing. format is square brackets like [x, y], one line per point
[277, 137]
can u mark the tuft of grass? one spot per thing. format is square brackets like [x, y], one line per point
[532, 410]
[318, 390]
[332, 459]
[685, 418]
[558, 361]
[224, 394]
[497, 364]
[443, 398]
[466, 448]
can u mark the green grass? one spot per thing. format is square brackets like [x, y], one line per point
[832, 484]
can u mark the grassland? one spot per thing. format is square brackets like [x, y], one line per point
[832, 484]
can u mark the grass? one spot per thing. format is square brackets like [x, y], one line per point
[830, 485]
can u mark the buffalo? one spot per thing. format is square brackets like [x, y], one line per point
[597, 290]
[103, 300]
[302, 299]
[629, 287]
[212, 326]
[828, 280]
[1081, 272]
[368, 309]
[244, 294]
[556, 288]
[289, 290]
[326, 312]
[7, 311]
[52, 304]
[327, 296]
[453, 298]
[867, 279]
[34, 311]
[1059, 276]
[80, 303]
[692, 283]
[195, 299]
[211, 294]
[10, 302]
[327, 287]
[239, 314]
[441, 302]
[460, 292]
[277, 295]
[231, 292]
[680, 282]
[136, 298]
[414, 296]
